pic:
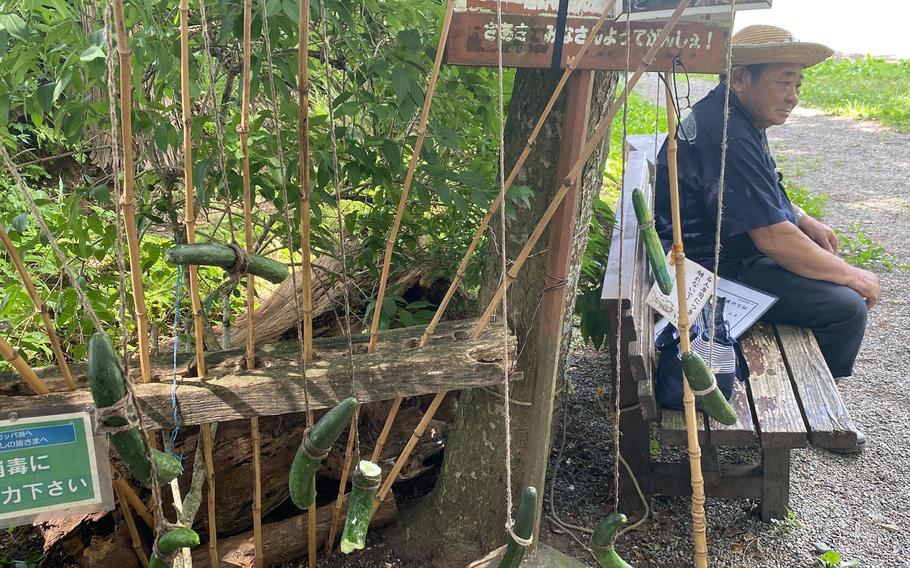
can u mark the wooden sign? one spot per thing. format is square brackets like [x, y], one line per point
[649, 9]
[52, 465]
[536, 34]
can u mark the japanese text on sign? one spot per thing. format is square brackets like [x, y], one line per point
[47, 464]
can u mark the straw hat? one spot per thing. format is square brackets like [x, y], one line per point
[770, 44]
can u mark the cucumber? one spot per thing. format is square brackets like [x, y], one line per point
[108, 386]
[604, 539]
[525, 520]
[364, 485]
[224, 256]
[318, 440]
[700, 377]
[655, 251]
[170, 542]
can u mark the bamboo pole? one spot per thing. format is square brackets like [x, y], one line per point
[31, 379]
[601, 130]
[244, 130]
[190, 222]
[481, 229]
[128, 203]
[250, 279]
[134, 501]
[131, 525]
[303, 147]
[409, 177]
[346, 468]
[699, 525]
[39, 304]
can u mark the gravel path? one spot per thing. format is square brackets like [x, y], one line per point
[856, 505]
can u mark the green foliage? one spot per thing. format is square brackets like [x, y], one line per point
[833, 559]
[868, 88]
[861, 250]
[812, 203]
[53, 100]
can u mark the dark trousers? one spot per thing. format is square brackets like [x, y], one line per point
[835, 313]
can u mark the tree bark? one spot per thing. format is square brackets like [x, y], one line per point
[464, 517]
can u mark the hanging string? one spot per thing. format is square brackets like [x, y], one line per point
[216, 113]
[504, 261]
[620, 207]
[340, 219]
[720, 191]
[115, 166]
[172, 439]
[301, 360]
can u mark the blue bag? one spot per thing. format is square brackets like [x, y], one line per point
[728, 360]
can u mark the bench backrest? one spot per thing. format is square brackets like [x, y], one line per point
[625, 286]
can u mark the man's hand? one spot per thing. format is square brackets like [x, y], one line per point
[822, 234]
[866, 285]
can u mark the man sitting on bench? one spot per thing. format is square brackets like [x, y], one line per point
[766, 242]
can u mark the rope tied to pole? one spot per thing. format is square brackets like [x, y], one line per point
[123, 409]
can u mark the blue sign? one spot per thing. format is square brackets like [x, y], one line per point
[37, 437]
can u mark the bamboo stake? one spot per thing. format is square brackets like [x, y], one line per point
[190, 222]
[346, 468]
[409, 177]
[500, 197]
[244, 130]
[602, 129]
[131, 525]
[31, 379]
[136, 504]
[250, 279]
[128, 203]
[699, 525]
[257, 491]
[39, 304]
[303, 147]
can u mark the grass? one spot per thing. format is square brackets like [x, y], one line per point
[869, 88]
[641, 120]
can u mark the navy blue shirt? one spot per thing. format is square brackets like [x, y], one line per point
[753, 196]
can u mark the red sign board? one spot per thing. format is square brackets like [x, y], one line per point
[533, 35]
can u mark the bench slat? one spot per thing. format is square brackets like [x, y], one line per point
[741, 434]
[826, 415]
[780, 421]
[673, 427]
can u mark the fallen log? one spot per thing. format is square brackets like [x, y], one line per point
[277, 314]
[284, 541]
[225, 256]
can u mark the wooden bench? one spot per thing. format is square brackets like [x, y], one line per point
[790, 401]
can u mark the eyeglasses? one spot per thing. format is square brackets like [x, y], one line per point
[687, 129]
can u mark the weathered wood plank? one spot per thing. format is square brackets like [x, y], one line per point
[637, 359]
[673, 427]
[230, 392]
[780, 421]
[827, 418]
[625, 233]
[775, 483]
[732, 481]
[742, 433]
[646, 400]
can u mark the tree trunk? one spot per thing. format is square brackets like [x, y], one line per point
[464, 517]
